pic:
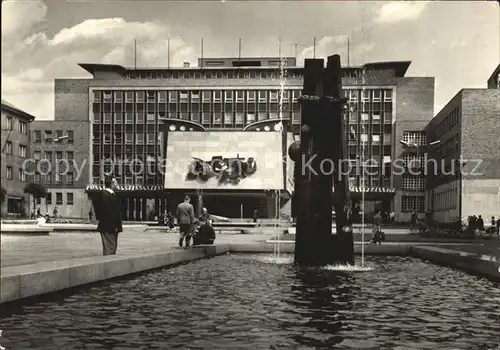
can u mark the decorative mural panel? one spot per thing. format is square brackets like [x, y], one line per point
[224, 160]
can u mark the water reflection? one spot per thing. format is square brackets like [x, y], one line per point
[321, 298]
[242, 302]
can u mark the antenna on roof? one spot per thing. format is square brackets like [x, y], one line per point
[348, 51]
[201, 61]
[135, 54]
[239, 50]
[168, 53]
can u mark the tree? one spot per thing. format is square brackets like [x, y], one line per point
[35, 190]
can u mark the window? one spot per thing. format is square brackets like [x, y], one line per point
[250, 118]
[365, 95]
[205, 96]
[118, 96]
[172, 96]
[22, 175]
[365, 117]
[107, 139]
[239, 119]
[217, 95]
[139, 118]
[48, 198]
[58, 178]
[139, 180]
[9, 173]
[48, 156]
[59, 200]
[217, 118]
[151, 118]
[376, 138]
[151, 96]
[413, 183]
[262, 95]
[139, 138]
[183, 96]
[23, 127]
[251, 95]
[139, 96]
[38, 201]
[107, 118]
[70, 135]
[10, 123]
[295, 95]
[129, 138]
[118, 118]
[415, 138]
[129, 118]
[48, 135]
[37, 155]
[128, 180]
[413, 203]
[69, 178]
[414, 160]
[129, 96]
[8, 147]
[377, 95]
[96, 96]
[273, 96]
[162, 96]
[106, 96]
[70, 155]
[376, 118]
[387, 95]
[150, 138]
[38, 177]
[364, 137]
[22, 151]
[38, 136]
[228, 118]
[205, 118]
[48, 178]
[195, 96]
[240, 95]
[228, 95]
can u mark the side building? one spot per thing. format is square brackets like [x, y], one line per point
[175, 114]
[60, 156]
[464, 170]
[15, 152]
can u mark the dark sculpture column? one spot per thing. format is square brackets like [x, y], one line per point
[316, 159]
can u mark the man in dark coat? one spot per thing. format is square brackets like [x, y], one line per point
[110, 222]
[185, 219]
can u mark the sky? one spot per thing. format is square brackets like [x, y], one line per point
[458, 43]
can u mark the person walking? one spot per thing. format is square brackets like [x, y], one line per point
[110, 222]
[185, 219]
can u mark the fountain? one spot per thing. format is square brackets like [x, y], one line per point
[322, 141]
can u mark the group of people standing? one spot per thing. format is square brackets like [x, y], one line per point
[110, 221]
[476, 223]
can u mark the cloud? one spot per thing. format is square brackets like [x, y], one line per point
[31, 60]
[330, 45]
[398, 11]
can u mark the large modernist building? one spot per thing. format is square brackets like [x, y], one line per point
[225, 111]
[15, 151]
[467, 159]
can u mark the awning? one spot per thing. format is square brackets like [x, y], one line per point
[372, 189]
[93, 187]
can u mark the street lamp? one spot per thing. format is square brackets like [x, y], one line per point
[56, 139]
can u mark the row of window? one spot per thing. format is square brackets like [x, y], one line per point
[418, 138]
[206, 118]
[275, 95]
[22, 150]
[57, 137]
[119, 138]
[9, 174]
[131, 180]
[413, 204]
[70, 198]
[446, 200]
[414, 183]
[174, 96]
[215, 74]
[47, 178]
[369, 181]
[37, 155]
[451, 120]
[9, 123]
[375, 117]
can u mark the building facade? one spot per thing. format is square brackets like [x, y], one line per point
[15, 152]
[131, 112]
[464, 169]
[60, 155]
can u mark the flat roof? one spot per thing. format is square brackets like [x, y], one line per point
[400, 67]
[10, 107]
